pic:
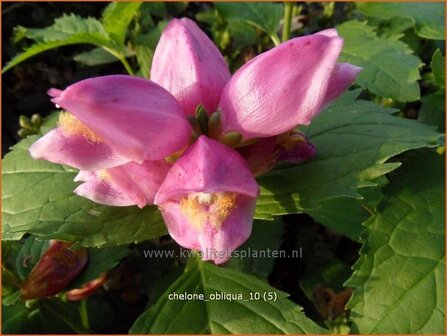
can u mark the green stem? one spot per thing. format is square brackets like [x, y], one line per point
[122, 59]
[275, 39]
[288, 10]
[127, 66]
[84, 314]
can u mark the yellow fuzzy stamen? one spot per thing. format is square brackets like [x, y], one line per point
[289, 140]
[224, 204]
[104, 175]
[203, 208]
[71, 125]
[191, 209]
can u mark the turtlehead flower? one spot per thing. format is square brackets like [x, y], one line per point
[285, 86]
[208, 198]
[113, 120]
[191, 139]
[188, 64]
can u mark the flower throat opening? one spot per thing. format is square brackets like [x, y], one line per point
[71, 125]
[204, 208]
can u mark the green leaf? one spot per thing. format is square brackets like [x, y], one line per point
[97, 56]
[432, 111]
[66, 30]
[395, 27]
[345, 215]
[36, 49]
[265, 236]
[38, 198]
[29, 255]
[100, 260]
[242, 33]
[171, 316]
[354, 139]
[157, 9]
[263, 15]
[116, 18]
[50, 122]
[428, 16]
[65, 27]
[44, 317]
[399, 280]
[389, 68]
[145, 45]
[438, 67]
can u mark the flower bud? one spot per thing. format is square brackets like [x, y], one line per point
[58, 266]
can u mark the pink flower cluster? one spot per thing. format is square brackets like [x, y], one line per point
[140, 142]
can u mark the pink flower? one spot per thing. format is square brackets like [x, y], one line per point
[122, 131]
[285, 86]
[189, 65]
[113, 120]
[208, 198]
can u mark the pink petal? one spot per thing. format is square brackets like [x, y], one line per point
[189, 65]
[125, 185]
[301, 152]
[135, 117]
[208, 166]
[328, 32]
[75, 151]
[84, 176]
[280, 88]
[342, 77]
[217, 245]
[179, 227]
[103, 193]
[206, 177]
[266, 153]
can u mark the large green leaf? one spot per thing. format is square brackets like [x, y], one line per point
[253, 257]
[65, 27]
[429, 17]
[438, 67]
[264, 15]
[272, 313]
[389, 68]
[45, 46]
[66, 30]
[44, 317]
[345, 215]
[432, 111]
[117, 17]
[354, 139]
[399, 280]
[38, 198]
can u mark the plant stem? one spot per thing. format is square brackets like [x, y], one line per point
[127, 66]
[122, 59]
[288, 9]
[275, 39]
[84, 314]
